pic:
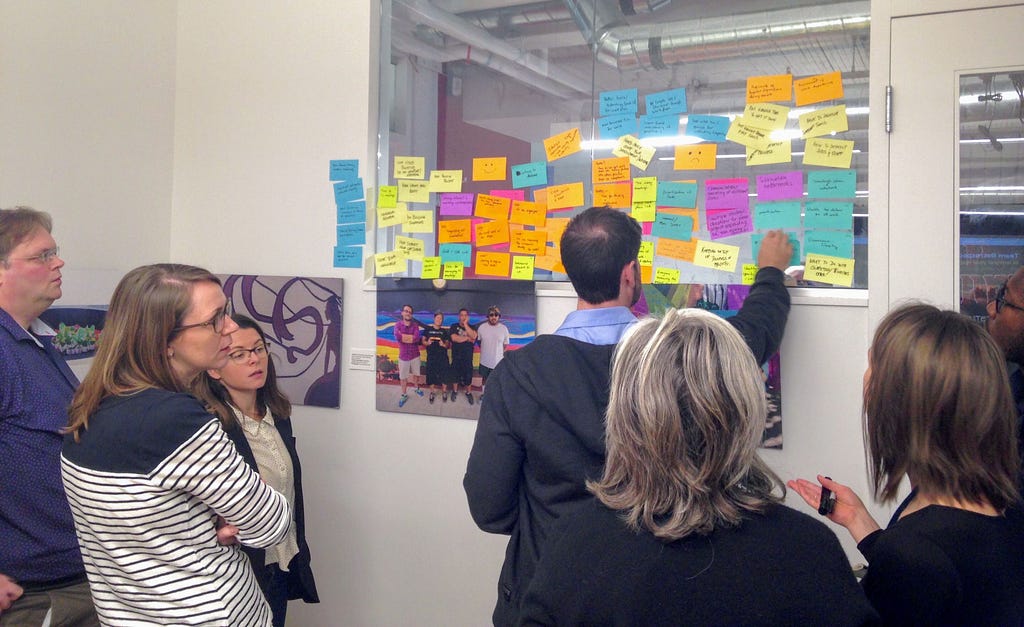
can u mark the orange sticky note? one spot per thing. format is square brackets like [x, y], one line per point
[777, 88]
[492, 207]
[492, 264]
[454, 231]
[818, 88]
[677, 249]
[529, 242]
[565, 196]
[610, 170]
[614, 195]
[563, 144]
[556, 226]
[528, 213]
[489, 168]
[550, 262]
[646, 273]
[490, 233]
[695, 157]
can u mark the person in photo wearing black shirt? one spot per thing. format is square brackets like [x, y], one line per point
[436, 339]
[463, 337]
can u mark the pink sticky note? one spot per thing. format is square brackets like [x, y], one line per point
[511, 194]
[726, 222]
[780, 186]
[726, 194]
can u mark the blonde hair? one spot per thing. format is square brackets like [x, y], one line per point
[684, 420]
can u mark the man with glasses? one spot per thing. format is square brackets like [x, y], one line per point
[41, 568]
[1006, 326]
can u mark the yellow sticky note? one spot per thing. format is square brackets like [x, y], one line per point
[645, 188]
[831, 153]
[528, 213]
[522, 268]
[413, 191]
[491, 207]
[550, 262]
[677, 249]
[418, 222]
[454, 231]
[529, 242]
[492, 264]
[637, 152]
[391, 216]
[824, 121]
[431, 268]
[777, 88]
[409, 247]
[774, 152]
[489, 168]
[387, 196]
[491, 233]
[696, 157]
[666, 275]
[446, 181]
[556, 226]
[565, 196]
[409, 167]
[765, 115]
[826, 269]
[818, 88]
[453, 271]
[390, 262]
[614, 195]
[716, 256]
[749, 272]
[610, 170]
[563, 144]
[646, 255]
[747, 135]
[644, 210]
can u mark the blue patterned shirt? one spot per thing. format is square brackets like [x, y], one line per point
[602, 326]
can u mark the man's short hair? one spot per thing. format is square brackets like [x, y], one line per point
[596, 246]
[17, 223]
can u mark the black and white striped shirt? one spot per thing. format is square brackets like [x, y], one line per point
[146, 484]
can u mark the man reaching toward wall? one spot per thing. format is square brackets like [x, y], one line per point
[541, 430]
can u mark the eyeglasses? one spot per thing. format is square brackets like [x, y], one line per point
[1001, 300]
[494, 315]
[241, 355]
[216, 322]
[44, 257]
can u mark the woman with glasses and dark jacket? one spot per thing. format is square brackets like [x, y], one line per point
[255, 414]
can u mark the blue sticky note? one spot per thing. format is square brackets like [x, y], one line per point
[677, 194]
[348, 256]
[755, 244]
[672, 226]
[618, 102]
[529, 174]
[832, 184]
[456, 252]
[615, 126]
[828, 214]
[708, 127]
[348, 190]
[354, 211]
[659, 125]
[351, 234]
[344, 169]
[832, 243]
[663, 102]
[777, 215]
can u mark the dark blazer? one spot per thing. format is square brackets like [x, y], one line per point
[300, 575]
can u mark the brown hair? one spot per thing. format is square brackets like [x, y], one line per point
[938, 407]
[148, 305]
[17, 223]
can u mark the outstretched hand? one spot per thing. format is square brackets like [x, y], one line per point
[849, 509]
[775, 251]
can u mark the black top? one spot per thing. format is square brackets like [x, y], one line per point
[434, 340]
[461, 351]
[779, 568]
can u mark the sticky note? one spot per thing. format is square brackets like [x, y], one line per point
[672, 194]
[777, 215]
[615, 126]
[617, 102]
[774, 152]
[431, 268]
[646, 255]
[828, 214]
[562, 144]
[389, 263]
[832, 243]
[818, 88]
[446, 181]
[492, 264]
[555, 228]
[646, 275]
[461, 253]
[831, 153]
[489, 168]
[826, 269]
[726, 193]
[510, 194]
[610, 170]
[794, 259]
[348, 256]
[352, 211]
[409, 247]
[491, 233]
[418, 222]
[528, 213]
[824, 121]
[747, 135]
[639, 154]
[529, 174]
[348, 190]
[716, 256]
[672, 226]
[693, 213]
[776, 88]
[550, 262]
[780, 185]
[413, 191]
[344, 169]
[614, 195]
[695, 157]
[454, 270]
[391, 216]
[728, 222]
[387, 196]
[450, 231]
[410, 168]
[565, 196]
[710, 128]
[528, 242]
[351, 234]
[659, 125]
[669, 101]
[677, 249]
[765, 115]
[666, 275]
[522, 268]
[645, 188]
[644, 210]
[749, 273]
[456, 204]
[832, 184]
[492, 207]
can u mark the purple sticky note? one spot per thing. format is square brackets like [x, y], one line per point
[726, 222]
[780, 186]
[511, 194]
[453, 204]
[726, 194]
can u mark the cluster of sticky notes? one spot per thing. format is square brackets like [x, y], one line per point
[349, 199]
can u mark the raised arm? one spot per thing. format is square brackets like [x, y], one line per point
[762, 318]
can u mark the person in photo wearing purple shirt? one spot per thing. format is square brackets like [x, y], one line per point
[408, 334]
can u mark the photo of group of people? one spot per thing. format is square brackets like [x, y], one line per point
[438, 341]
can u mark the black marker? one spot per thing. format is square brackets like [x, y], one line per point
[827, 504]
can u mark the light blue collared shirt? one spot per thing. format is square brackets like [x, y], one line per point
[597, 326]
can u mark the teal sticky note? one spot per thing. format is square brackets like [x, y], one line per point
[659, 125]
[664, 102]
[615, 126]
[351, 234]
[672, 226]
[828, 214]
[677, 194]
[832, 184]
[755, 245]
[352, 211]
[618, 102]
[529, 174]
[348, 190]
[712, 128]
[777, 215]
[348, 256]
[832, 243]
[344, 169]
[456, 252]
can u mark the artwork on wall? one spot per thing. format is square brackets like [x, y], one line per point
[301, 317]
[76, 329]
[433, 385]
[724, 300]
